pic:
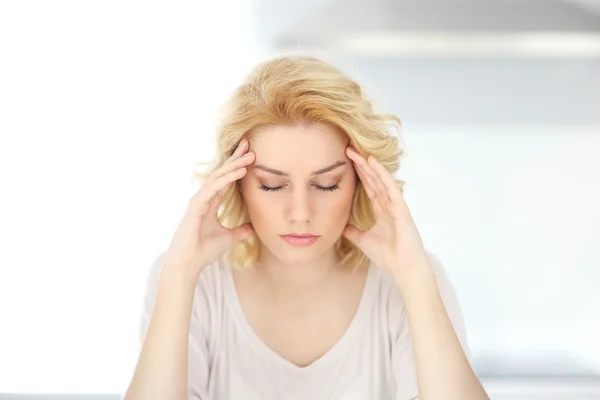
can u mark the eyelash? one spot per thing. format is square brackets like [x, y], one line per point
[321, 188]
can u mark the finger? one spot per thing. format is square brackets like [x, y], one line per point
[388, 180]
[374, 180]
[362, 163]
[377, 181]
[201, 194]
[220, 185]
[358, 162]
[374, 190]
[216, 187]
[371, 191]
[241, 162]
[241, 149]
[353, 233]
[242, 232]
[364, 179]
[215, 203]
[218, 197]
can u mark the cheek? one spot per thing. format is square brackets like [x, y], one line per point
[260, 207]
[337, 205]
[338, 208]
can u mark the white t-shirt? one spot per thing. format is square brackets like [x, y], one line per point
[373, 360]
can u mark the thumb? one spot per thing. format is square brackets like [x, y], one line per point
[242, 232]
[215, 203]
[353, 233]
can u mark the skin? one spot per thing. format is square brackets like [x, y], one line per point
[299, 300]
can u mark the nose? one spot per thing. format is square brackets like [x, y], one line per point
[300, 206]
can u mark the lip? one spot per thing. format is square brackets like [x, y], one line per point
[300, 235]
[299, 239]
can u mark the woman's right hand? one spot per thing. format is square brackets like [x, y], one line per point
[200, 239]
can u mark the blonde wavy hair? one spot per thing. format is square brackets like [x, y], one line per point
[301, 89]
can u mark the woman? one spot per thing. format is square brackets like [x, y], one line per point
[296, 271]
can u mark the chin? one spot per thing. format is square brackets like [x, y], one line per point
[299, 255]
[293, 256]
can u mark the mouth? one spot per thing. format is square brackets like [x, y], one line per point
[299, 239]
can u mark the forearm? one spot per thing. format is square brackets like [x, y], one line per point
[443, 369]
[161, 370]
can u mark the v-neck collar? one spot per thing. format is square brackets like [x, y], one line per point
[268, 354]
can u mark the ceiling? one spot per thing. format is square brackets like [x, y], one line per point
[559, 27]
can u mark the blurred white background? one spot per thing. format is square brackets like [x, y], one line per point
[106, 107]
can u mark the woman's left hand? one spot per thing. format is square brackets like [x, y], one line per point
[393, 242]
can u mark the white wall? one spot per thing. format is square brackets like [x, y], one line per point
[104, 109]
[485, 91]
[514, 214]
[503, 178]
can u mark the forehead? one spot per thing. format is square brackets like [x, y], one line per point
[306, 144]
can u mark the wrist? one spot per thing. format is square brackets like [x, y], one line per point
[173, 276]
[415, 281]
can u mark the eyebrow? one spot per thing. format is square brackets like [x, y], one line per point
[281, 173]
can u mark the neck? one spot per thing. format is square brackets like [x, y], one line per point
[303, 279]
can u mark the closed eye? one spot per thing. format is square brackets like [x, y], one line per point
[328, 188]
[322, 188]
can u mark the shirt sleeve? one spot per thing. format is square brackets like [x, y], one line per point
[403, 358]
[197, 348]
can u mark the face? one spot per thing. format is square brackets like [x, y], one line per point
[301, 182]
